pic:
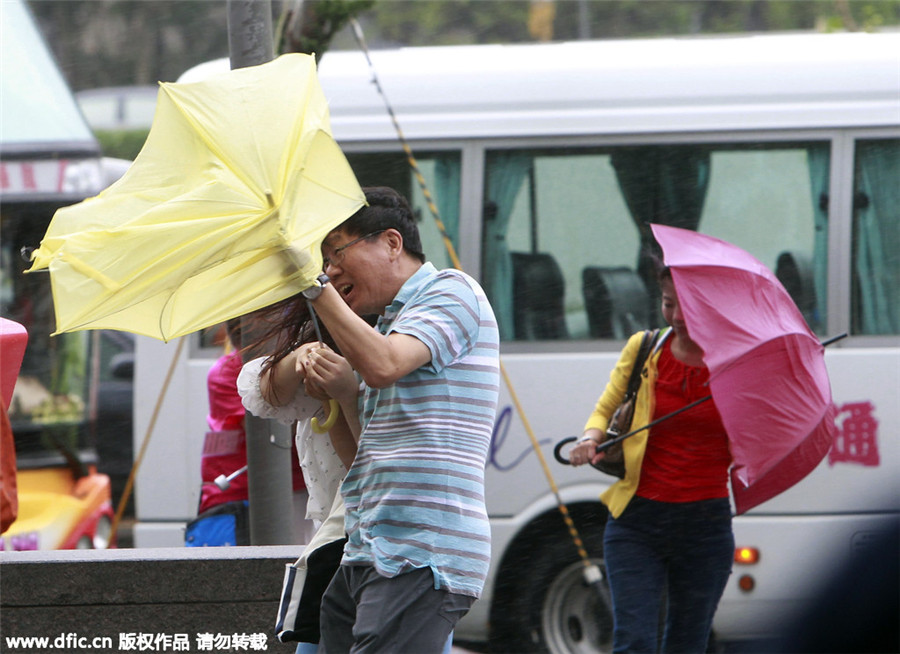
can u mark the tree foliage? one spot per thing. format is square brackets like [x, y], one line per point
[309, 27]
[131, 42]
[447, 22]
[124, 42]
[121, 143]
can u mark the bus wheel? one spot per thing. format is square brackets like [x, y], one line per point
[542, 602]
[577, 617]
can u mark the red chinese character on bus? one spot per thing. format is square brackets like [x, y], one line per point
[28, 179]
[856, 440]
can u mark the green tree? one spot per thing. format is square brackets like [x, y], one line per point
[123, 42]
[446, 22]
[309, 27]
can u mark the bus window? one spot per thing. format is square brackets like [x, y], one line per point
[876, 238]
[772, 200]
[549, 215]
[566, 251]
[441, 171]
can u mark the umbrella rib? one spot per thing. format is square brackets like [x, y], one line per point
[89, 271]
[206, 137]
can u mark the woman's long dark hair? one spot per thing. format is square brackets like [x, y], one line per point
[280, 329]
[287, 325]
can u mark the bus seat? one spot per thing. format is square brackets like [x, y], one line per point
[538, 293]
[616, 301]
[795, 272]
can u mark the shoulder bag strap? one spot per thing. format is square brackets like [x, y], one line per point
[650, 343]
[634, 381]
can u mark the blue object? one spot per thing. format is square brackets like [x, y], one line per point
[223, 525]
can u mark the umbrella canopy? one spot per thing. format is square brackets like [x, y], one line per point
[767, 368]
[223, 211]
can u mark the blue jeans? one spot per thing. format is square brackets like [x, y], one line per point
[665, 554]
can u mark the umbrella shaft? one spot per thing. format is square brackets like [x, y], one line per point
[834, 339]
[315, 321]
[619, 439]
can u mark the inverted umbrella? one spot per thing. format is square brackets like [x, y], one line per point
[222, 213]
[767, 368]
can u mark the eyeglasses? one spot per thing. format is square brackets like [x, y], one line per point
[337, 256]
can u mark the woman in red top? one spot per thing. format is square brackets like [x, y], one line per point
[671, 547]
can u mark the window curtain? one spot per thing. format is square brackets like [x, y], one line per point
[877, 237]
[818, 159]
[506, 172]
[664, 185]
[446, 197]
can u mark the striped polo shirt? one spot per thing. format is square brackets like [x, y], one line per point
[415, 494]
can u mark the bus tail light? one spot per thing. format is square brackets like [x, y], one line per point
[746, 555]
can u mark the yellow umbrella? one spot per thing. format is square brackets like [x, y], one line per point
[223, 211]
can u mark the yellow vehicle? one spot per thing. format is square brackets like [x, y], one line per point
[57, 511]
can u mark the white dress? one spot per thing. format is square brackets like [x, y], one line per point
[322, 468]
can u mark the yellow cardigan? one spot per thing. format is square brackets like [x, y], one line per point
[617, 497]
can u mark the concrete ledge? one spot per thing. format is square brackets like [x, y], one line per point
[168, 591]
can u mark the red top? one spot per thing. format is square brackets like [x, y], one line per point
[687, 456]
[226, 411]
[225, 445]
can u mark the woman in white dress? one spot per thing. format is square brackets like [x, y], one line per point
[324, 457]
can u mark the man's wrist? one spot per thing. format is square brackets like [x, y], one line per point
[313, 292]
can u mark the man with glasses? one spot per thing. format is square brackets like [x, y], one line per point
[418, 535]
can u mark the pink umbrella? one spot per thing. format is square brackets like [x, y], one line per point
[767, 368]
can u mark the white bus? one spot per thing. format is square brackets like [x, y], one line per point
[546, 163]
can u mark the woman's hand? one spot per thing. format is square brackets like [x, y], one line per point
[301, 358]
[329, 375]
[280, 383]
[585, 451]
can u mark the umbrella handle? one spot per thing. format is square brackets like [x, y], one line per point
[334, 410]
[557, 451]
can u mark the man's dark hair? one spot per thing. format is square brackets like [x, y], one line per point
[386, 209]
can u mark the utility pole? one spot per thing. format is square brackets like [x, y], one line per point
[250, 35]
[250, 43]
